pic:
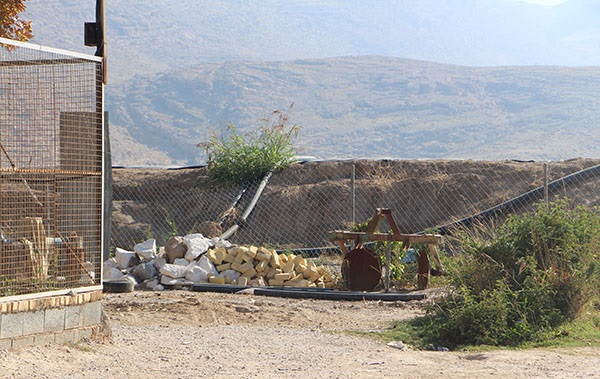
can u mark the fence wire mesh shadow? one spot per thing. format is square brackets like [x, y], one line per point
[50, 169]
[303, 202]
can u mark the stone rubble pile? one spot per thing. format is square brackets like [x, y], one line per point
[194, 259]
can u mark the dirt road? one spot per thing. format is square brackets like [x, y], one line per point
[181, 334]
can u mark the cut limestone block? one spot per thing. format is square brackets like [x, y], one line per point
[239, 258]
[311, 270]
[223, 267]
[229, 258]
[237, 266]
[299, 260]
[252, 250]
[275, 262]
[216, 255]
[260, 256]
[300, 268]
[237, 250]
[276, 282]
[283, 276]
[314, 277]
[220, 253]
[242, 267]
[271, 273]
[288, 267]
[216, 280]
[261, 266]
[297, 278]
[249, 273]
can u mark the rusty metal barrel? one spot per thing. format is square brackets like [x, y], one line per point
[361, 269]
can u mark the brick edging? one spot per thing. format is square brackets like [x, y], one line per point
[33, 305]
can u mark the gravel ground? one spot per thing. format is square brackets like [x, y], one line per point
[181, 334]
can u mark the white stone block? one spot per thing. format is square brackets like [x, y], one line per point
[173, 271]
[146, 250]
[181, 262]
[123, 257]
[159, 262]
[219, 242]
[205, 263]
[112, 273]
[231, 274]
[165, 280]
[150, 284]
[197, 275]
[197, 245]
[132, 279]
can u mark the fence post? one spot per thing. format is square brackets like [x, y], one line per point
[546, 200]
[353, 184]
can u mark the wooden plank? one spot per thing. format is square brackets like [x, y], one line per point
[343, 236]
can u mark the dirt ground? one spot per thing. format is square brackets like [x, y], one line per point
[184, 334]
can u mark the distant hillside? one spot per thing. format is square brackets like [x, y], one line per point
[152, 36]
[168, 83]
[364, 107]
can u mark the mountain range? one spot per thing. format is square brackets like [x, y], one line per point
[401, 79]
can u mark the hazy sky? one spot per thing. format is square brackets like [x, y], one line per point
[545, 2]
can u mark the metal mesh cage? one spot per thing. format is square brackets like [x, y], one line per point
[50, 169]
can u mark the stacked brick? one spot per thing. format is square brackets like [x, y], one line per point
[256, 263]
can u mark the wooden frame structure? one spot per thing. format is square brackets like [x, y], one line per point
[341, 238]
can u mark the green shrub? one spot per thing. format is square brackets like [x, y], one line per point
[516, 282]
[238, 159]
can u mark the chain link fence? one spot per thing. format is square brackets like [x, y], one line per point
[300, 204]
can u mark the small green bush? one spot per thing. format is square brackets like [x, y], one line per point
[234, 158]
[514, 283]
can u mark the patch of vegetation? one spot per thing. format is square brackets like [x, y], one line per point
[528, 281]
[234, 158]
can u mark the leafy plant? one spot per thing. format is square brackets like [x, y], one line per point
[521, 281]
[11, 24]
[171, 224]
[238, 159]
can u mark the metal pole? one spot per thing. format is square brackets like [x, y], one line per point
[101, 47]
[353, 183]
[388, 257]
[546, 185]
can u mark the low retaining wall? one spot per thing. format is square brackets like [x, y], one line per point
[60, 319]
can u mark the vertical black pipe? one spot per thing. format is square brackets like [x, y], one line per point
[101, 35]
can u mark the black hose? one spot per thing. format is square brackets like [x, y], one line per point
[528, 197]
[309, 293]
[304, 293]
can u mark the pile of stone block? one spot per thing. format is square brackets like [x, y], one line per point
[194, 259]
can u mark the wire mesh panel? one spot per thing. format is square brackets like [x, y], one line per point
[50, 169]
[159, 204]
[300, 204]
